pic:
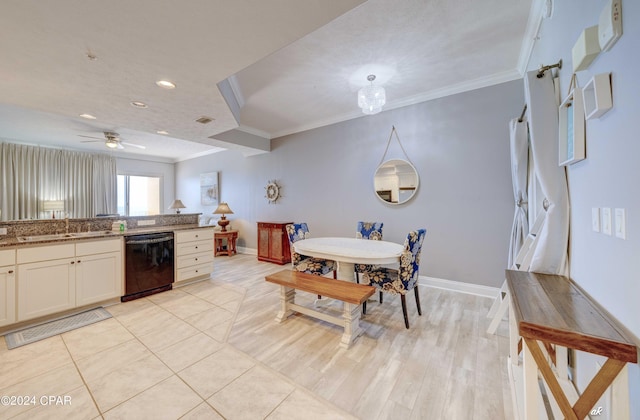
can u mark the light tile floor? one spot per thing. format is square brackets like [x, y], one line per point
[160, 357]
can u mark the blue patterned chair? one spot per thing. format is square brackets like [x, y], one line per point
[401, 281]
[310, 265]
[372, 231]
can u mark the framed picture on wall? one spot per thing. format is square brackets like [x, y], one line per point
[571, 147]
[209, 189]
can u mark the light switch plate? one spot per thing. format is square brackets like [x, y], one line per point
[606, 220]
[620, 223]
[595, 219]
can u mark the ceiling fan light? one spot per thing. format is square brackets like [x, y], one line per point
[112, 144]
[371, 98]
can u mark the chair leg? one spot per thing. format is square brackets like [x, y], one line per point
[404, 311]
[380, 297]
[364, 307]
[335, 274]
[357, 277]
[417, 300]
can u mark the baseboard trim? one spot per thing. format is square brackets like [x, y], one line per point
[458, 286]
[249, 251]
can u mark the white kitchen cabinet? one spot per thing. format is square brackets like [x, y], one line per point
[194, 254]
[7, 287]
[54, 278]
[46, 287]
[98, 271]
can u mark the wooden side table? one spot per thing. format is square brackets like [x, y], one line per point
[219, 237]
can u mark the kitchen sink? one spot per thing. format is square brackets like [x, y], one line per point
[50, 237]
[92, 233]
[58, 236]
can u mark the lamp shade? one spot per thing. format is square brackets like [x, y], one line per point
[53, 205]
[223, 208]
[177, 205]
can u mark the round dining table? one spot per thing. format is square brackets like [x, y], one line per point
[350, 251]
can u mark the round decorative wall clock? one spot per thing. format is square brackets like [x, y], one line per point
[272, 191]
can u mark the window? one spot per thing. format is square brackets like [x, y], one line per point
[138, 195]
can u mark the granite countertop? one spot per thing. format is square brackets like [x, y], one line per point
[8, 242]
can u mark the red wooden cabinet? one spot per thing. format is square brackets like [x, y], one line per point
[273, 242]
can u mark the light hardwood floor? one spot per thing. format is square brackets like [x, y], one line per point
[212, 350]
[444, 367]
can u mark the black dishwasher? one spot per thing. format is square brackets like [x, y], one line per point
[148, 265]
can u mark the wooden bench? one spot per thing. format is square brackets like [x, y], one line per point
[551, 313]
[351, 294]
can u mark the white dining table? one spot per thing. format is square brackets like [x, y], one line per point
[350, 251]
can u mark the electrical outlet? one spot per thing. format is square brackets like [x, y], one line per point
[606, 220]
[146, 222]
[3, 231]
[620, 223]
[595, 219]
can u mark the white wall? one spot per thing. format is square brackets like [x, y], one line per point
[458, 144]
[149, 168]
[606, 267]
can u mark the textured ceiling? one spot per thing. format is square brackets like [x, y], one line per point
[294, 65]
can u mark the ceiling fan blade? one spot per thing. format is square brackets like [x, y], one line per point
[133, 145]
[92, 141]
[90, 137]
[120, 146]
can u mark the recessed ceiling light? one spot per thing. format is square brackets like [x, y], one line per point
[165, 84]
[162, 132]
[88, 116]
[139, 104]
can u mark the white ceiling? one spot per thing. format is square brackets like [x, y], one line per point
[293, 65]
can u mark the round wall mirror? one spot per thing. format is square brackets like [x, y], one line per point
[396, 181]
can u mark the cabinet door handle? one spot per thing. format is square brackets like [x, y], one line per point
[79, 261]
[197, 236]
[10, 272]
[73, 262]
[196, 259]
[196, 247]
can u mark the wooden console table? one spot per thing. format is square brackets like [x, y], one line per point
[230, 236]
[273, 242]
[550, 310]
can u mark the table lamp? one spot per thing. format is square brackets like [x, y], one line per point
[223, 209]
[53, 206]
[177, 205]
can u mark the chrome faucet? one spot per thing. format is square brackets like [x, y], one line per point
[66, 224]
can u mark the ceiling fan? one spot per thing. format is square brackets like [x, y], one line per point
[111, 140]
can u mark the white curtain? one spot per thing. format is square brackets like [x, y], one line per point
[85, 182]
[550, 254]
[519, 142]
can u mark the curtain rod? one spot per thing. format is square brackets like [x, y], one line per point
[545, 68]
[523, 111]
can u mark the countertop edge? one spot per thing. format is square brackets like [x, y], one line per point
[13, 242]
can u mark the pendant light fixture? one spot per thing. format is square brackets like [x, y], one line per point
[371, 98]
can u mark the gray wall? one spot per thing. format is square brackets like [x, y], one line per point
[605, 266]
[459, 145]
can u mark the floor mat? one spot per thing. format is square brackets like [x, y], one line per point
[59, 326]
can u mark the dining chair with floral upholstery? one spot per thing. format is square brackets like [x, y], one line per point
[401, 281]
[306, 264]
[372, 231]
